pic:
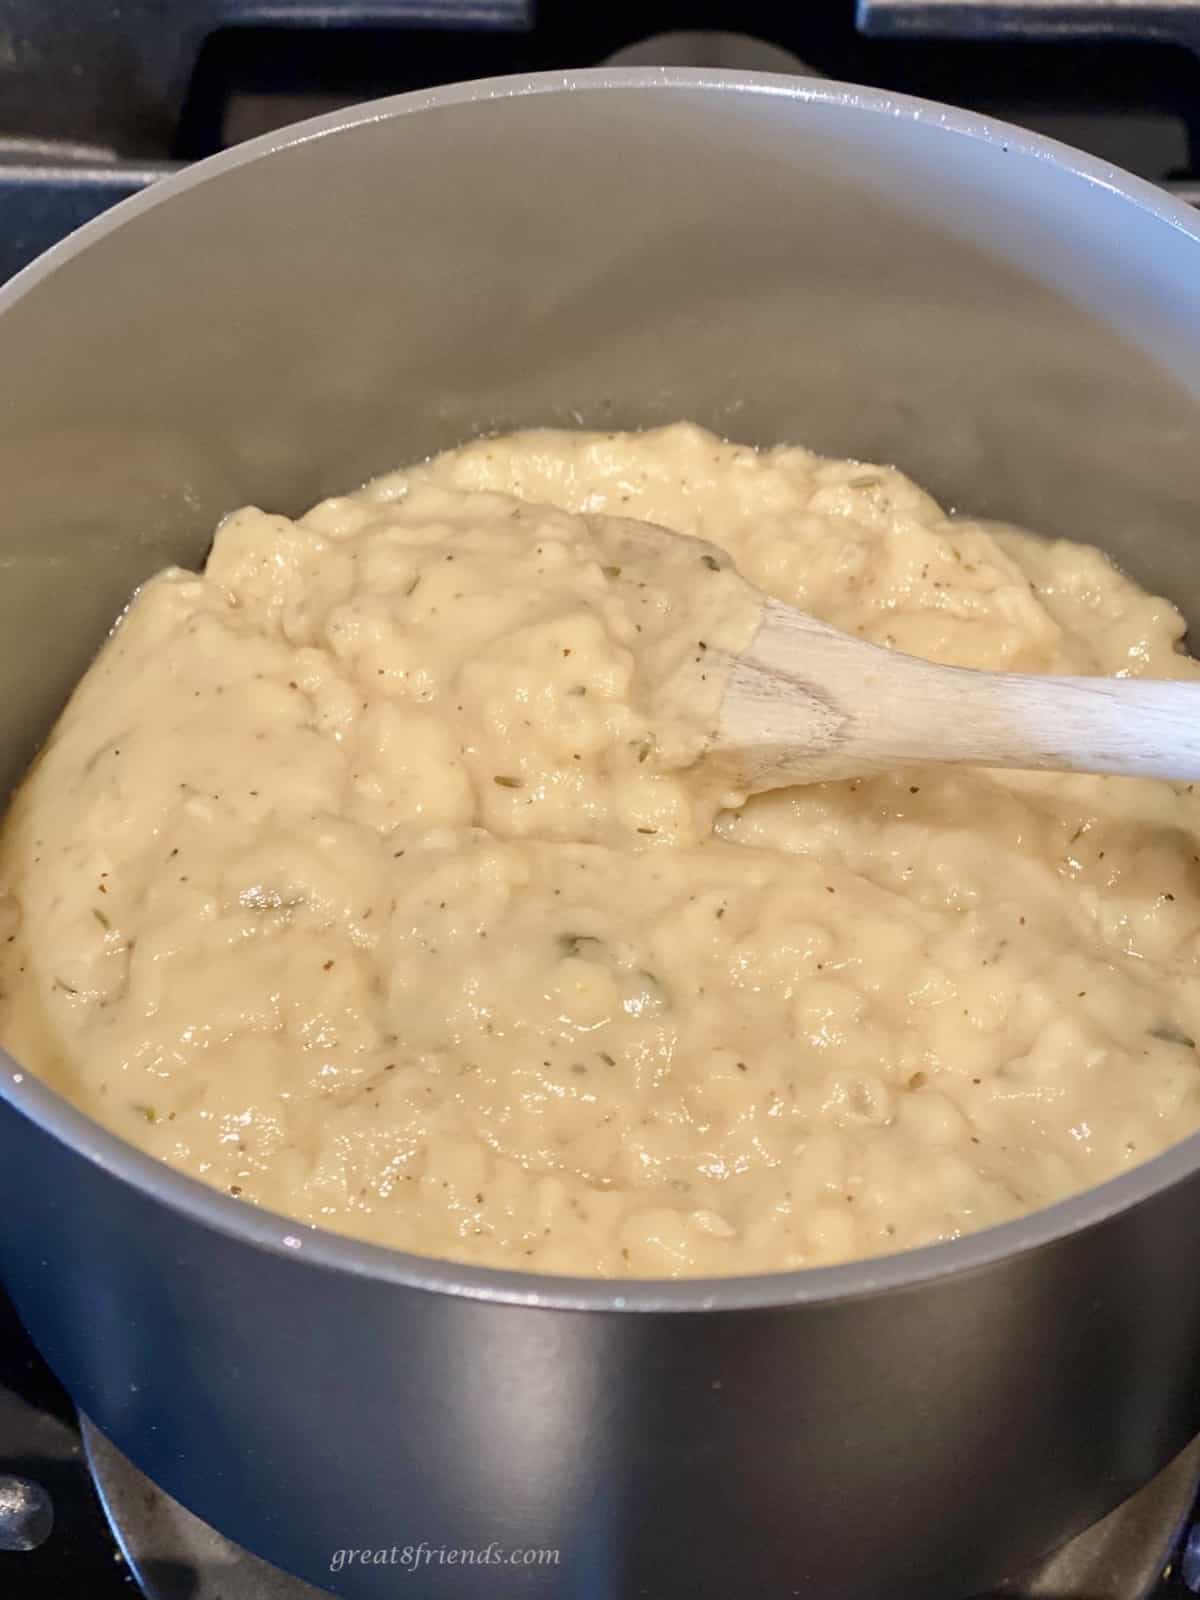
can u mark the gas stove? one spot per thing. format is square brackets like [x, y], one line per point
[96, 102]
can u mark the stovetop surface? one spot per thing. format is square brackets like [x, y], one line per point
[40, 1440]
[1121, 80]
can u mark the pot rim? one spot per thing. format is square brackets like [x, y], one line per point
[336, 1253]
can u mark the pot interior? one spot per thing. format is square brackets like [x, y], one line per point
[776, 259]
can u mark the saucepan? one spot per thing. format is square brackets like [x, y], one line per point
[1015, 325]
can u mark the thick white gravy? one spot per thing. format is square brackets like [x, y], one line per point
[357, 880]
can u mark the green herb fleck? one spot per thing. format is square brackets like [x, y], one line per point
[1169, 1034]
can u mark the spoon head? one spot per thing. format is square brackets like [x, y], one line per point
[759, 693]
[685, 675]
[649, 544]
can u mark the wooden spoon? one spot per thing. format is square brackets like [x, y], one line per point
[798, 701]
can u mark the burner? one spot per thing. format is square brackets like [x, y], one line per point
[175, 1556]
[1125, 1556]
[171, 1553]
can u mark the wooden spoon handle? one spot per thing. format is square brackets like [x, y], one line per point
[807, 702]
[1139, 728]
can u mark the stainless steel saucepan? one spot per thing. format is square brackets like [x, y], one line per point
[1016, 326]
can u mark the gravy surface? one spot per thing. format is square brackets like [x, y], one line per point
[358, 880]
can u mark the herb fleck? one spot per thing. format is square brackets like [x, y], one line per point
[1170, 1034]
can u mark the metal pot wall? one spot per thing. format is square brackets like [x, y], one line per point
[1016, 326]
